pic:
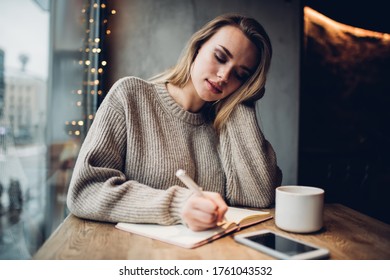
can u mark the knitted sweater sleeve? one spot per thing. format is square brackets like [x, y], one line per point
[99, 188]
[249, 161]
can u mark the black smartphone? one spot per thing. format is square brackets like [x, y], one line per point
[280, 246]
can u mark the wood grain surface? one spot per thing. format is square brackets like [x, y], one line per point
[347, 234]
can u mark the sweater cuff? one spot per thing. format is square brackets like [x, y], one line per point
[177, 204]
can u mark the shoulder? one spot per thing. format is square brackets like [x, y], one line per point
[128, 90]
[131, 84]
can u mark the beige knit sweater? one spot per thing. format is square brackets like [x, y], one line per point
[125, 171]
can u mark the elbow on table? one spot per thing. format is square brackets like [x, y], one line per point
[76, 205]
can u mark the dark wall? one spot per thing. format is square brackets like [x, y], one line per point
[344, 135]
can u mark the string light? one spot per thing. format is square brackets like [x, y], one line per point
[95, 19]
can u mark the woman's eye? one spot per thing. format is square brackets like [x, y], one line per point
[242, 77]
[220, 58]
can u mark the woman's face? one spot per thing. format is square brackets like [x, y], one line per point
[223, 64]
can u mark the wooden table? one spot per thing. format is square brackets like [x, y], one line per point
[347, 233]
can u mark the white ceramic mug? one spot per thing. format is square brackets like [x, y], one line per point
[299, 208]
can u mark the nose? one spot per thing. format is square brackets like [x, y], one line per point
[224, 74]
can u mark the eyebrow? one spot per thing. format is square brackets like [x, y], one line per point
[229, 54]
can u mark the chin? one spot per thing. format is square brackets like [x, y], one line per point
[210, 97]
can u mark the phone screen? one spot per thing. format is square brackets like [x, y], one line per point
[281, 244]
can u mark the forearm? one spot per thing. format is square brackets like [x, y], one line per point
[110, 197]
[249, 161]
[101, 188]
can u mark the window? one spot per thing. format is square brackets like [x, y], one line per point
[50, 85]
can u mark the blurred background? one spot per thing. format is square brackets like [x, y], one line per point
[325, 109]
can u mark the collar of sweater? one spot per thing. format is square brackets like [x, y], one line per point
[175, 109]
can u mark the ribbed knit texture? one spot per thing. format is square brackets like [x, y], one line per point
[125, 171]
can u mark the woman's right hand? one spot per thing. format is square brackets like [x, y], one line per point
[204, 212]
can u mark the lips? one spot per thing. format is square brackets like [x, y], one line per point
[214, 87]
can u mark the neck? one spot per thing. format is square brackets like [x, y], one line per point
[186, 97]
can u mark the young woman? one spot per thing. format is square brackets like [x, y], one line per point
[198, 116]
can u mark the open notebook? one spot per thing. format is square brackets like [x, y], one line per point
[180, 235]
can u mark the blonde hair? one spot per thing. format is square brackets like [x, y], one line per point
[252, 89]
